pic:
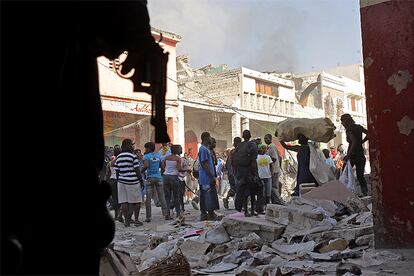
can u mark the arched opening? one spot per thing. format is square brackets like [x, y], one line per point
[191, 144]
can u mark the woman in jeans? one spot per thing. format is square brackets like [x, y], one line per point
[172, 165]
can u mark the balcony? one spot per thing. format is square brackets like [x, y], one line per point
[266, 104]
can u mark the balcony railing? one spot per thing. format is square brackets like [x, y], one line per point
[266, 104]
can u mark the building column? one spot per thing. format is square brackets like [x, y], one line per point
[245, 124]
[179, 129]
[137, 136]
[235, 126]
[390, 107]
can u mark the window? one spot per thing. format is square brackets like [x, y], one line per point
[353, 104]
[266, 88]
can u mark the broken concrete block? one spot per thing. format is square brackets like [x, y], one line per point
[356, 205]
[367, 200]
[220, 267]
[192, 248]
[365, 240]
[240, 227]
[251, 241]
[347, 233]
[297, 266]
[294, 216]
[217, 235]
[376, 257]
[338, 244]
[349, 219]
[335, 190]
[263, 257]
[306, 187]
[296, 248]
[238, 257]
[365, 218]
[344, 268]
[328, 205]
[335, 255]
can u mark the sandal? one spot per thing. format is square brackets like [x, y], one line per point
[138, 223]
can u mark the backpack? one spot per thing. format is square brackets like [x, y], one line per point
[241, 157]
[196, 167]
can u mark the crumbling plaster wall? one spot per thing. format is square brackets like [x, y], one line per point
[388, 43]
[221, 88]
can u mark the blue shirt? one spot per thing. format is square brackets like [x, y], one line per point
[154, 163]
[204, 179]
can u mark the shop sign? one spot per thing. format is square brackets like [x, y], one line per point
[126, 107]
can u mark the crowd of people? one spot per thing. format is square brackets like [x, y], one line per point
[250, 171]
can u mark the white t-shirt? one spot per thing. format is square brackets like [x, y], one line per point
[263, 165]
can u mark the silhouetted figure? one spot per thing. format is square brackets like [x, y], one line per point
[304, 175]
[51, 93]
[355, 152]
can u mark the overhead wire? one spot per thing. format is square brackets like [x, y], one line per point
[235, 109]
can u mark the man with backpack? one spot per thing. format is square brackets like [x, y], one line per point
[245, 159]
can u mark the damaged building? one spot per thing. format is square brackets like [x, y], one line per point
[226, 101]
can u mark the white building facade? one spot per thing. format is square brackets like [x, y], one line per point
[226, 101]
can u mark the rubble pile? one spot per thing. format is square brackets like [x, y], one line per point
[306, 236]
[327, 231]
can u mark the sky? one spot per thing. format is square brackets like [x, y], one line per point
[295, 36]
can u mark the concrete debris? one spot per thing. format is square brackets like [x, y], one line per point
[238, 257]
[372, 258]
[221, 267]
[194, 249]
[349, 219]
[297, 266]
[217, 235]
[290, 234]
[356, 204]
[263, 257]
[338, 244]
[327, 231]
[347, 233]
[335, 190]
[365, 240]
[365, 218]
[296, 248]
[344, 268]
[251, 241]
[367, 200]
[335, 255]
[240, 227]
[294, 217]
[149, 257]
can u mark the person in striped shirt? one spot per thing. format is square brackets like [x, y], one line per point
[129, 182]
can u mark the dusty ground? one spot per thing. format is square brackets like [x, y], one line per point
[135, 239]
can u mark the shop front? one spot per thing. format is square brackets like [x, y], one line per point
[128, 118]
